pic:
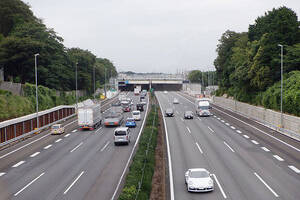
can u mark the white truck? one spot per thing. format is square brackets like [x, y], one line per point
[136, 91]
[89, 117]
[203, 107]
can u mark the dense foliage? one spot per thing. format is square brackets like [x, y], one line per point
[248, 64]
[204, 78]
[22, 35]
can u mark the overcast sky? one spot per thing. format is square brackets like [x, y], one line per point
[152, 35]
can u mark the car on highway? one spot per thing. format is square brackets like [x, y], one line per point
[136, 114]
[122, 135]
[175, 101]
[57, 129]
[169, 112]
[140, 107]
[130, 122]
[198, 180]
[188, 114]
[113, 119]
[127, 109]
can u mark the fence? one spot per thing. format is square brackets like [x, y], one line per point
[291, 124]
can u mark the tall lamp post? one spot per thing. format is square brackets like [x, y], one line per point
[36, 91]
[76, 85]
[281, 90]
[94, 81]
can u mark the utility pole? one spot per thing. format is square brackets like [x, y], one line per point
[36, 90]
[105, 82]
[76, 95]
[94, 81]
[281, 90]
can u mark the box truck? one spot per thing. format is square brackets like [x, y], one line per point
[203, 107]
[89, 117]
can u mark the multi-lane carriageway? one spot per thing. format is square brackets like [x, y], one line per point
[74, 165]
[247, 160]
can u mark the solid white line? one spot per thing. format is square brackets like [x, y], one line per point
[275, 194]
[255, 142]
[35, 154]
[47, 147]
[19, 163]
[76, 147]
[67, 135]
[223, 193]
[104, 146]
[265, 149]
[261, 131]
[229, 147]
[74, 131]
[295, 169]
[238, 131]
[227, 124]
[278, 157]
[199, 148]
[24, 146]
[58, 140]
[2, 173]
[232, 127]
[246, 136]
[29, 184]
[210, 129]
[188, 129]
[131, 154]
[65, 192]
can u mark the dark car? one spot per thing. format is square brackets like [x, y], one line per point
[169, 112]
[126, 109]
[188, 115]
[140, 107]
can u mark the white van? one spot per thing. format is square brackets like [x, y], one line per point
[136, 115]
[57, 129]
[122, 135]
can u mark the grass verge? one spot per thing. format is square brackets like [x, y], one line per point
[138, 182]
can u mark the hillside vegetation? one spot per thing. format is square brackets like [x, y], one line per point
[22, 35]
[248, 63]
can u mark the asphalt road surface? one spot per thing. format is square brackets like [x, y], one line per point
[248, 161]
[74, 165]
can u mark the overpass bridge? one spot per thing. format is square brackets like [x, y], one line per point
[160, 82]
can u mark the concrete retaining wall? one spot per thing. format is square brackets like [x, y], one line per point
[14, 88]
[291, 124]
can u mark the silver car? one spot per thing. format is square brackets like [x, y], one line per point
[199, 180]
[122, 135]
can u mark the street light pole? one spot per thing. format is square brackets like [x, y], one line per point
[105, 82]
[36, 90]
[281, 90]
[76, 85]
[94, 81]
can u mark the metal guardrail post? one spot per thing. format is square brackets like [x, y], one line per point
[5, 134]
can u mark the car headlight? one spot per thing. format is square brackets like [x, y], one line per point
[211, 183]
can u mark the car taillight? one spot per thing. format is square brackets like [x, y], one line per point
[115, 123]
[126, 137]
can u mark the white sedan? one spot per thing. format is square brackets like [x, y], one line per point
[199, 180]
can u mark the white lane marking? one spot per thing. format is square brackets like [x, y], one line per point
[76, 147]
[227, 124]
[105, 146]
[278, 157]
[223, 193]
[219, 118]
[67, 135]
[199, 118]
[24, 146]
[210, 129]
[188, 129]
[2, 173]
[275, 194]
[47, 147]
[177, 112]
[261, 131]
[265, 149]
[232, 127]
[229, 147]
[35, 154]
[29, 184]
[215, 116]
[74, 131]
[98, 130]
[18, 164]
[65, 192]
[58, 140]
[246, 136]
[199, 148]
[295, 169]
[133, 149]
[238, 131]
[181, 119]
[254, 142]
[223, 121]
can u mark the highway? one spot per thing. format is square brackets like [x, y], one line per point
[74, 165]
[247, 160]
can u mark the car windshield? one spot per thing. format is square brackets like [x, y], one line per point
[203, 107]
[130, 120]
[55, 127]
[117, 133]
[169, 110]
[199, 174]
[188, 112]
[135, 113]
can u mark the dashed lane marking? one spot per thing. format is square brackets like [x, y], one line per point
[210, 129]
[74, 131]
[227, 124]
[246, 136]
[107, 143]
[76, 147]
[188, 129]
[265, 149]
[2, 173]
[67, 135]
[232, 127]
[278, 158]
[295, 169]
[35, 154]
[199, 147]
[274, 193]
[229, 147]
[254, 142]
[18, 164]
[238, 131]
[58, 140]
[222, 191]
[65, 192]
[47, 147]
[29, 184]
